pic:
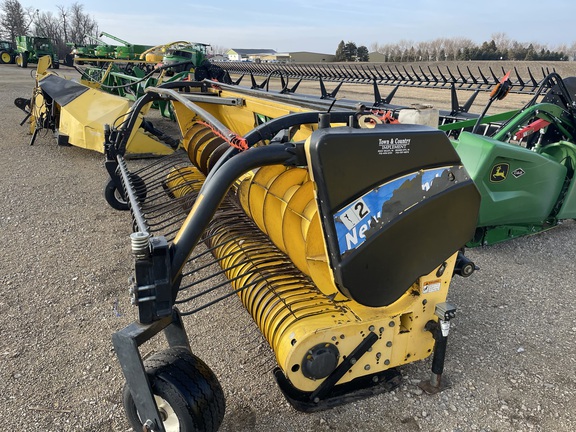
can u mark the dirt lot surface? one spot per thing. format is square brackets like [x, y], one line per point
[64, 269]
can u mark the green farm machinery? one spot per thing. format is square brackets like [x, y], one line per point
[31, 48]
[126, 51]
[524, 168]
[7, 52]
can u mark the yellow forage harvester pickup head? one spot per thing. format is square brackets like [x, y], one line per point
[78, 114]
[340, 240]
[376, 234]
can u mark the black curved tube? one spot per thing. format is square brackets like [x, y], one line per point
[213, 193]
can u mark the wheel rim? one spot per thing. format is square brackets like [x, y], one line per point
[18, 60]
[5, 57]
[167, 414]
[118, 197]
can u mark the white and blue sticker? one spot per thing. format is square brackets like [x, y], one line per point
[354, 221]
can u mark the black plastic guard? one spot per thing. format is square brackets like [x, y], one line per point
[63, 91]
[395, 201]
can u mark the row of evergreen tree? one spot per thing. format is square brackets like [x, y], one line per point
[452, 49]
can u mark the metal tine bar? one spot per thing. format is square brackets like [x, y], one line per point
[160, 191]
[166, 223]
[368, 74]
[377, 72]
[416, 75]
[462, 77]
[349, 69]
[188, 183]
[392, 73]
[218, 273]
[362, 73]
[520, 80]
[318, 70]
[257, 234]
[220, 285]
[179, 205]
[252, 248]
[399, 73]
[161, 161]
[163, 165]
[442, 75]
[474, 80]
[307, 72]
[216, 260]
[494, 77]
[454, 80]
[219, 299]
[160, 188]
[157, 172]
[534, 82]
[407, 74]
[426, 78]
[341, 75]
[385, 73]
[434, 77]
[164, 207]
[161, 204]
[336, 73]
[484, 78]
[358, 75]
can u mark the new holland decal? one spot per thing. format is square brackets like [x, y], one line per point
[363, 217]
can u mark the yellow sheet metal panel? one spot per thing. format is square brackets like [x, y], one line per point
[400, 328]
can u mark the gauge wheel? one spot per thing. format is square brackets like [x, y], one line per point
[117, 199]
[187, 393]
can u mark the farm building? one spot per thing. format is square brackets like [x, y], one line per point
[237, 54]
[271, 56]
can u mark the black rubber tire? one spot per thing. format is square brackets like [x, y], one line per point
[5, 57]
[23, 62]
[56, 65]
[116, 199]
[201, 73]
[188, 388]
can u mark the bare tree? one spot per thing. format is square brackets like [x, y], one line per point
[15, 20]
[71, 25]
[48, 25]
[501, 40]
[219, 49]
[80, 25]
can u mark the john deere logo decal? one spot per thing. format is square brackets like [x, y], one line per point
[499, 172]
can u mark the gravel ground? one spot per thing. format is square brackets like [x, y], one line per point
[63, 292]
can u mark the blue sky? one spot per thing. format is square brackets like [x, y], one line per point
[319, 25]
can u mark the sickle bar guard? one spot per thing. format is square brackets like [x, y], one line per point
[339, 240]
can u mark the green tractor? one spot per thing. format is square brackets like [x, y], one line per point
[7, 52]
[31, 48]
[185, 57]
[193, 57]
